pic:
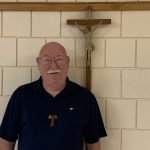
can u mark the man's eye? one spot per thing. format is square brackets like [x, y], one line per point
[46, 60]
[59, 59]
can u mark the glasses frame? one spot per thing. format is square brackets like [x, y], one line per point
[49, 60]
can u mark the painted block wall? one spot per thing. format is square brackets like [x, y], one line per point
[120, 64]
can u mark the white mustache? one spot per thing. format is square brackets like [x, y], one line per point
[53, 71]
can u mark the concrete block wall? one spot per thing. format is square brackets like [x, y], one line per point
[120, 64]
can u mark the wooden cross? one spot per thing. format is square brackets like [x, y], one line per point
[88, 31]
[52, 117]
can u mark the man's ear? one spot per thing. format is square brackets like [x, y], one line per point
[68, 59]
[37, 61]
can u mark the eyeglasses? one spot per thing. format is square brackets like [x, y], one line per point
[49, 60]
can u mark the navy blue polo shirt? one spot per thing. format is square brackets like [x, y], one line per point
[27, 118]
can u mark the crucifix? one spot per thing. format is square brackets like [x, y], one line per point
[87, 27]
[52, 117]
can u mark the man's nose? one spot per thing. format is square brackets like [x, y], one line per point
[53, 62]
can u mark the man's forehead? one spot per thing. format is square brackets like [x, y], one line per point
[52, 48]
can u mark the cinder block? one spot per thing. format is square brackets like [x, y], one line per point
[16, 24]
[106, 83]
[70, 30]
[97, 56]
[121, 113]
[0, 81]
[143, 53]
[0, 23]
[7, 49]
[120, 52]
[135, 24]
[136, 84]
[69, 45]
[35, 73]
[102, 106]
[46, 24]
[135, 140]
[3, 103]
[80, 53]
[143, 111]
[77, 75]
[112, 30]
[28, 51]
[14, 77]
[112, 141]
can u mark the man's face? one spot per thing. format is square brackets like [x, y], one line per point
[53, 64]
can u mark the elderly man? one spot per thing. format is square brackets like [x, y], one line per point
[52, 113]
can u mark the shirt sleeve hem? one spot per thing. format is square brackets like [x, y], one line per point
[7, 139]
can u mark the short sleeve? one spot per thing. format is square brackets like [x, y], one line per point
[95, 127]
[10, 123]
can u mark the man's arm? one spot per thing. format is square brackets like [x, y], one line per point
[94, 146]
[6, 145]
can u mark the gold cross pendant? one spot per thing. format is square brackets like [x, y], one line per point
[52, 117]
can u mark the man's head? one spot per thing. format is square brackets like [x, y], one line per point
[53, 64]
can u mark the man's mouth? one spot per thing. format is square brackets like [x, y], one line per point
[53, 71]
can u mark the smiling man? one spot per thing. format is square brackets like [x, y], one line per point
[52, 113]
[53, 64]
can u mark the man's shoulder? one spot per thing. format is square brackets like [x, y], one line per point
[82, 95]
[28, 87]
[80, 89]
[76, 86]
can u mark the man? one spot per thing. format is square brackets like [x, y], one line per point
[52, 113]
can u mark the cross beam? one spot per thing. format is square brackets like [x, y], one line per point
[88, 21]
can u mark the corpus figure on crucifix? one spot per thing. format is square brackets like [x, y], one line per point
[89, 46]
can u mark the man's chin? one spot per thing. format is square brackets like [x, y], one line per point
[53, 79]
[54, 76]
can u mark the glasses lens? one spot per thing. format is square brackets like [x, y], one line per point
[48, 60]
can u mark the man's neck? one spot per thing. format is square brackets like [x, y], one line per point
[54, 89]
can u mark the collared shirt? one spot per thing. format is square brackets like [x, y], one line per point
[27, 118]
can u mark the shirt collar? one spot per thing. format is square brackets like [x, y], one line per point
[38, 87]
